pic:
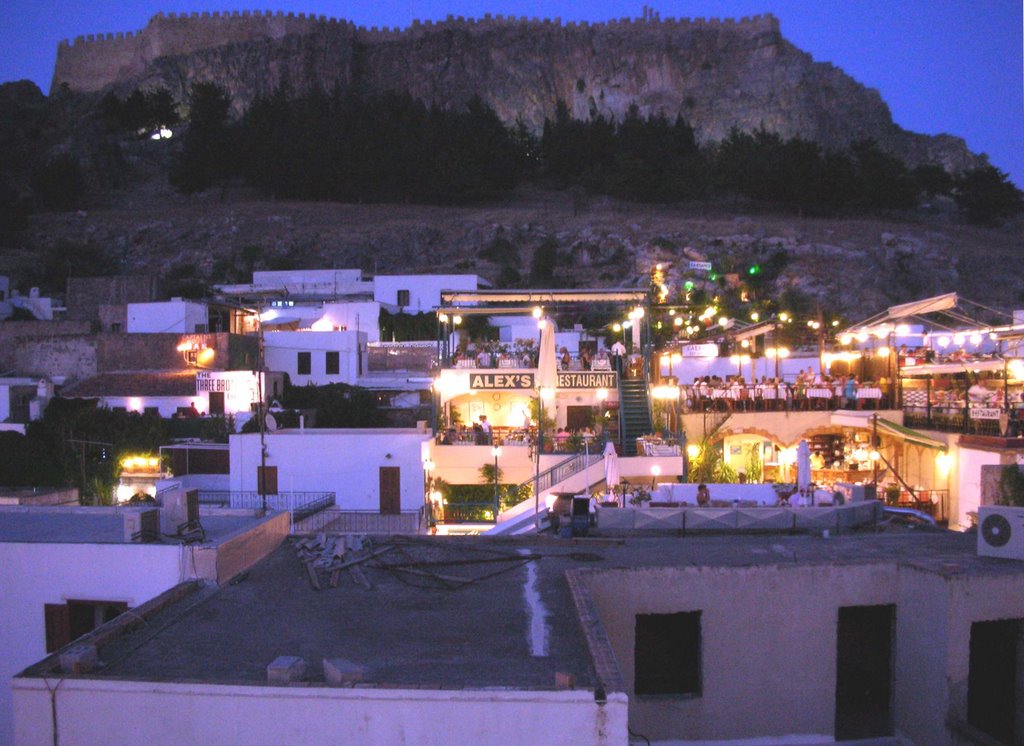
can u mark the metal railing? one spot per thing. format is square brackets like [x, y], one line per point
[334, 521]
[562, 471]
[962, 420]
[299, 504]
[475, 512]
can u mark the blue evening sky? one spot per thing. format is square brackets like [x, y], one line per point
[943, 66]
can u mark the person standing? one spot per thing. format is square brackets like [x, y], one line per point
[850, 392]
[618, 352]
[485, 429]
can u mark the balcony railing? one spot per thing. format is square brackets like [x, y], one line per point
[299, 504]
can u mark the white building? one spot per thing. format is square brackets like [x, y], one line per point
[22, 400]
[378, 470]
[907, 637]
[317, 358]
[175, 315]
[177, 392]
[66, 570]
[419, 293]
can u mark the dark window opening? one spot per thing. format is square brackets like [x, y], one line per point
[667, 655]
[997, 649]
[864, 643]
[216, 402]
[305, 363]
[115, 327]
[403, 297]
[67, 622]
[332, 363]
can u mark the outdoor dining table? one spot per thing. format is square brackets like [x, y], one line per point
[819, 392]
[869, 392]
[465, 363]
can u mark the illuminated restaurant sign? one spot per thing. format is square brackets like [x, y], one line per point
[238, 386]
[501, 381]
[705, 350]
[586, 379]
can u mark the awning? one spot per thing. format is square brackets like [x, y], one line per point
[541, 297]
[948, 369]
[916, 308]
[908, 434]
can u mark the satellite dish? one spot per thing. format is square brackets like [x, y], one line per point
[270, 422]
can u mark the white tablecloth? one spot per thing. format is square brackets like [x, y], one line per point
[869, 392]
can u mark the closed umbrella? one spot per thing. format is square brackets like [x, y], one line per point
[547, 360]
[611, 465]
[803, 467]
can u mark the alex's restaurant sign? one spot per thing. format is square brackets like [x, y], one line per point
[567, 379]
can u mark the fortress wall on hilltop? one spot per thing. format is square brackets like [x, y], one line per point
[97, 61]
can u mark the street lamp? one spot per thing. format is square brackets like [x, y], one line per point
[496, 451]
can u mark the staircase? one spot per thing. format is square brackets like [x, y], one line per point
[635, 414]
[566, 476]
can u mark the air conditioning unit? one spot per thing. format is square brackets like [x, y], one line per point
[1001, 532]
[141, 525]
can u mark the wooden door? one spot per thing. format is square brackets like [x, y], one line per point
[390, 490]
[271, 483]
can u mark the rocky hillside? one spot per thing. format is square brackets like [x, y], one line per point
[854, 266]
[716, 74]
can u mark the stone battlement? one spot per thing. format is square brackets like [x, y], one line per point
[95, 61]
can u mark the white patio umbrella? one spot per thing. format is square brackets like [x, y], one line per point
[803, 466]
[547, 360]
[611, 465]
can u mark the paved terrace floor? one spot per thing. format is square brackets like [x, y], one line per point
[460, 614]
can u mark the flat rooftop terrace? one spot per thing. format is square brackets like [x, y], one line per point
[99, 525]
[454, 613]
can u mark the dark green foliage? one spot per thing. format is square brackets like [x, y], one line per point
[405, 327]
[932, 180]
[653, 160]
[78, 443]
[1011, 486]
[336, 405]
[545, 259]
[383, 148]
[59, 185]
[141, 113]
[501, 251]
[69, 259]
[209, 151]
[987, 196]
[24, 465]
[183, 281]
[883, 180]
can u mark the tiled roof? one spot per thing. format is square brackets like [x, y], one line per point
[136, 383]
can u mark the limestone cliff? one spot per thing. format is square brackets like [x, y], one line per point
[716, 74]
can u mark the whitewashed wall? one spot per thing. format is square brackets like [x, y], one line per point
[345, 462]
[282, 348]
[178, 316]
[99, 711]
[35, 574]
[424, 290]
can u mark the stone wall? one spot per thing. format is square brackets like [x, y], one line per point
[94, 62]
[85, 295]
